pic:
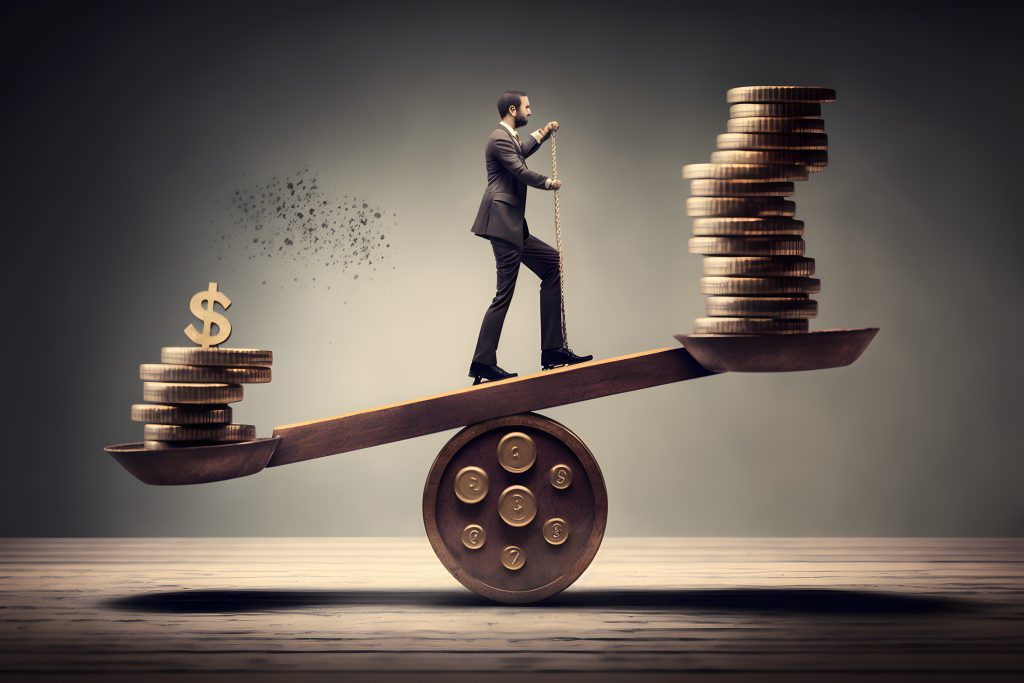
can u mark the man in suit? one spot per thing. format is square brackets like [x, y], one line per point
[502, 220]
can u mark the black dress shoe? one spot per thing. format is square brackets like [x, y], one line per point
[559, 357]
[480, 372]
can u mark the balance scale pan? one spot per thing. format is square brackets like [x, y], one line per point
[816, 350]
[194, 464]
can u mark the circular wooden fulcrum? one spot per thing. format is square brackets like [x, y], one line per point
[548, 568]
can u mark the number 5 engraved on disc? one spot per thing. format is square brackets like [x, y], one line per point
[560, 476]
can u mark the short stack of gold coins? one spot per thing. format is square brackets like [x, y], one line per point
[189, 392]
[756, 276]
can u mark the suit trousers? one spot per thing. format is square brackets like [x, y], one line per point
[542, 259]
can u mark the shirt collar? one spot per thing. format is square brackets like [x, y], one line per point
[509, 129]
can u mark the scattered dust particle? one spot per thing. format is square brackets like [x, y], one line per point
[304, 227]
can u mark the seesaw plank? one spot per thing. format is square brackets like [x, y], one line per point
[398, 421]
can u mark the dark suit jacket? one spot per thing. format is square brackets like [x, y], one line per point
[502, 212]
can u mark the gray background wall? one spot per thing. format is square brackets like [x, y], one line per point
[128, 126]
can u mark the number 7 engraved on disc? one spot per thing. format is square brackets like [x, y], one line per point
[513, 558]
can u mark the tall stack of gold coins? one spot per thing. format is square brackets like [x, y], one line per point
[756, 275]
[190, 389]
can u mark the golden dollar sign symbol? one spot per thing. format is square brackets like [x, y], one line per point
[210, 317]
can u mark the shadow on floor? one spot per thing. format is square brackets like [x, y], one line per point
[768, 600]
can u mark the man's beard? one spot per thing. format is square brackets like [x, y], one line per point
[520, 120]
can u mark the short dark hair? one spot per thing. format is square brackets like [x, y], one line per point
[510, 98]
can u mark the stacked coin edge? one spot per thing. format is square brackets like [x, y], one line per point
[188, 393]
[757, 277]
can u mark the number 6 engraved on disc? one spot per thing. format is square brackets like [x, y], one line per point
[474, 536]
[513, 558]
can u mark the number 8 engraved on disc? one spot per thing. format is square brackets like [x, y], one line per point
[556, 531]
[513, 558]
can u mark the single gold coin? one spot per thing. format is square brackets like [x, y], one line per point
[560, 476]
[516, 452]
[810, 110]
[739, 206]
[758, 172]
[749, 326]
[556, 531]
[151, 445]
[203, 394]
[180, 415]
[776, 124]
[745, 226]
[739, 188]
[229, 432]
[748, 246]
[222, 357]
[795, 141]
[517, 506]
[474, 536]
[775, 266]
[471, 484]
[513, 558]
[160, 372]
[759, 286]
[779, 93]
[761, 307]
[815, 160]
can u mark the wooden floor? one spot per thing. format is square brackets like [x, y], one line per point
[385, 609]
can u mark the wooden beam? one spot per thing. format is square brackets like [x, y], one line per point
[398, 421]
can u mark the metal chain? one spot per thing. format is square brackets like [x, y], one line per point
[558, 240]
